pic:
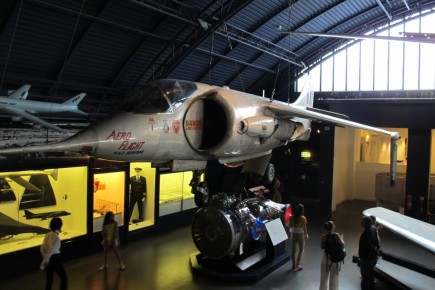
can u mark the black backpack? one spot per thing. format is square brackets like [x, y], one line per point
[334, 250]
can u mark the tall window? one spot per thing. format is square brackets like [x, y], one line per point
[353, 57]
[327, 72]
[381, 65]
[411, 58]
[427, 58]
[367, 53]
[395, 73]
[340, 71]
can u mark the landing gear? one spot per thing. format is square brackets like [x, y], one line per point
[269, 174]
[199, 189]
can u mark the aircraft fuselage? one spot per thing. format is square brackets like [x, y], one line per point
[35, 106]
[213, 123]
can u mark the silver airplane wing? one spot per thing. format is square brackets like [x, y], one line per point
[33, 119]
[283, 110]
[302, 112]
[421, 233]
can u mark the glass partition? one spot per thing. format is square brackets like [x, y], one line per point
[175, 193]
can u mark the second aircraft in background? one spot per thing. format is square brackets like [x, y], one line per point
[18, 105]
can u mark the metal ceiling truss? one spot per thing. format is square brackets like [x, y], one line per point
[229, 9]
[233, 33]
[235, 60]
[249, 39]
[174, 9]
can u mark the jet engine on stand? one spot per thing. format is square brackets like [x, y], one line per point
[228, 223]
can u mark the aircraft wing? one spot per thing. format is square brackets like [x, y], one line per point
[297, 111]
[419, 232]
[21, 181]
[290, 111]
[33, 119]
[9, 226]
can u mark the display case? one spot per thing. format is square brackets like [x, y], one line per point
[175, 193]
[108, 196]
[141, 196]
[30, 198]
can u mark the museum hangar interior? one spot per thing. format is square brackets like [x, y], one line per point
[98, 55]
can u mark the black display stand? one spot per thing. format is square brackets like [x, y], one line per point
[249, 270]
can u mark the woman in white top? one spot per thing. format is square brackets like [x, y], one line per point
[50, 250]
[298, 229]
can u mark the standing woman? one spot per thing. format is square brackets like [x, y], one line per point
[50, 250]
[328, 270]
[298, 229]
[110, 239]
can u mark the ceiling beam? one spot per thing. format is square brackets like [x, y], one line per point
[384, 9]
[235, 60]
[249, 39]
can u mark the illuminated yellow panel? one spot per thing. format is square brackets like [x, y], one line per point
[306, 154]
[175, 193]
[66, 189]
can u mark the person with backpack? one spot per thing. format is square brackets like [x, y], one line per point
[368, 253]
[334, 252]
[298, 229]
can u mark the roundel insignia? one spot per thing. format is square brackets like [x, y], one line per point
[176, 126]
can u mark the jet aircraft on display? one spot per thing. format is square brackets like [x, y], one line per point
[182, 125]
[44, 215]
[17, 104]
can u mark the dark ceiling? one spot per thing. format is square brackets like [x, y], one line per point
[106, 48]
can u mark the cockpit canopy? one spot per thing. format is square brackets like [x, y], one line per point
[161, 96]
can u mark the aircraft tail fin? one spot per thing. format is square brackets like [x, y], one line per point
[29, 215]
[74, 101]
[306, 98]
[21, 93]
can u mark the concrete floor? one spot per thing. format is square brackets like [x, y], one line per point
[163, 262]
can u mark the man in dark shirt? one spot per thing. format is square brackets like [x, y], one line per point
[368, 246]
[138, 191]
